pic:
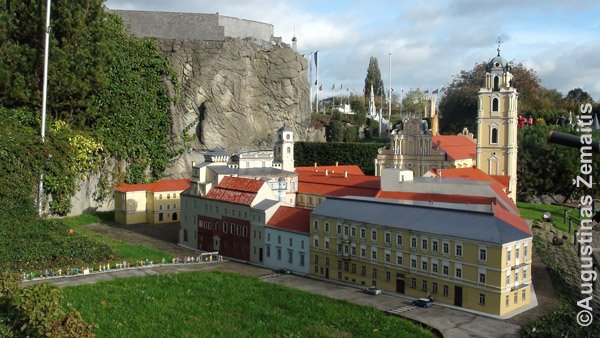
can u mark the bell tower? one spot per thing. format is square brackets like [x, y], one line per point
[497, 123]
[284, 148]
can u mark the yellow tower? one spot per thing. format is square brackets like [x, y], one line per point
[497, 123]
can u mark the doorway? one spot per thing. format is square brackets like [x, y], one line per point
[400, 286]
[458, 295]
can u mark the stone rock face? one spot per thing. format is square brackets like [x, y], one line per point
[236, 93]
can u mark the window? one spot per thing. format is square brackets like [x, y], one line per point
[507, 278]
[424, 244]
[388, 258]
[516, 276]
[494, 135]
[278, 254]
[482, 254]
[434, 246]
[515, 298]
[339, 229]
[482, 278]
[525, 252]
[327, 227]
[424, 266]
[388, 237]
[413, 283]
[458, 250]
[301, 242]
[434, 287]
[481, 299]
[353, 268]
[327, 244]
[424, 285]
[445, 248]
[374, 235]
[353, 231]
[517, 253]
[495, 104]
[346, 230]
[291, 242]
[316, 242]
[316, 225]
[225, 227]
[524, 295]
[374, 275]
[301, 259]
[363, 270]
[160, 207]
[506, 302]
[160, 197]
[388, 276]
[353, 250]
[290, 256]
[413, 242]
[327, 261]
[268, 237]
[398, 239]
[458, 273]
[168, 207]
[316, 269]
[496, 83]
[363, 233]
[434, 267]
[399, 260]
[524, 273]
[373, 253]
[413, 263]
[316, 259]
[363, 252]
[168, 196]
[446, 290]
[445, 270]
[508, 256]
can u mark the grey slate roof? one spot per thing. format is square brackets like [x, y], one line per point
[479, 226]
[250, 172]
[265, 204]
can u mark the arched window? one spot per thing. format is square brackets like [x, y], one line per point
[289, 150]
[494, 135]
[493, 165]
[495, 104]
[496, 83]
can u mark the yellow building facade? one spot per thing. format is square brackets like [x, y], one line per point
[153, 203]
[489, 277]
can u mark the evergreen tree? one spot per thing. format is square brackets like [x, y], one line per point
[374, 78]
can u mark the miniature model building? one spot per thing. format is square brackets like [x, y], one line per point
[156, 202]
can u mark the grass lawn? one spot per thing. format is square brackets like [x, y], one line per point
[125, 250]
[536, 211]
[209, 304]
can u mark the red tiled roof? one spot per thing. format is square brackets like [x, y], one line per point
[335, 184]
[241, 184]
[236, 190]
[163, 185]
[293, 219]
[416, 196]
[352, 169]
[504, 180]
[457, 147]
[512, 219]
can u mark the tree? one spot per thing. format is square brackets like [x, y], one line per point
[360, 111]
[374, 78]
[414, 102]
[458, 106]
[335, 131]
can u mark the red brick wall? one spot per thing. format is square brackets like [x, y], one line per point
[233, 243]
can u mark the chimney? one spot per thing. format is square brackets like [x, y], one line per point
[326, 172]
[336, 163]
[345, 173]
[315, 164]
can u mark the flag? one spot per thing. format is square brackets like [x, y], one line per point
[320, 87]
[316, 53]
[341, 86]
[426, 91]
[435, 91]
[333, 87]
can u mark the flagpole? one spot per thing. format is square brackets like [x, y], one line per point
[310, 84]
[317, 68]
[44, 97]
[390, 90]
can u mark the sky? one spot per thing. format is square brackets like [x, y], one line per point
[430, 41]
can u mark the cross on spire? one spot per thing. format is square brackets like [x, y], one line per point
[499, 42]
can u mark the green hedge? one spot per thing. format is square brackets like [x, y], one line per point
[361, 154]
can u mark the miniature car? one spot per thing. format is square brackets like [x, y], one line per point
[423, 302]
[372, 291]
[284, 271]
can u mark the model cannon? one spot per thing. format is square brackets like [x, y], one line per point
[569, 140]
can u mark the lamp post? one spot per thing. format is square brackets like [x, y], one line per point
[44, 97]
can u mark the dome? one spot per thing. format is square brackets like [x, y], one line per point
[498, 62]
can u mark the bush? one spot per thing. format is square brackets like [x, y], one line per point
[37, 312]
